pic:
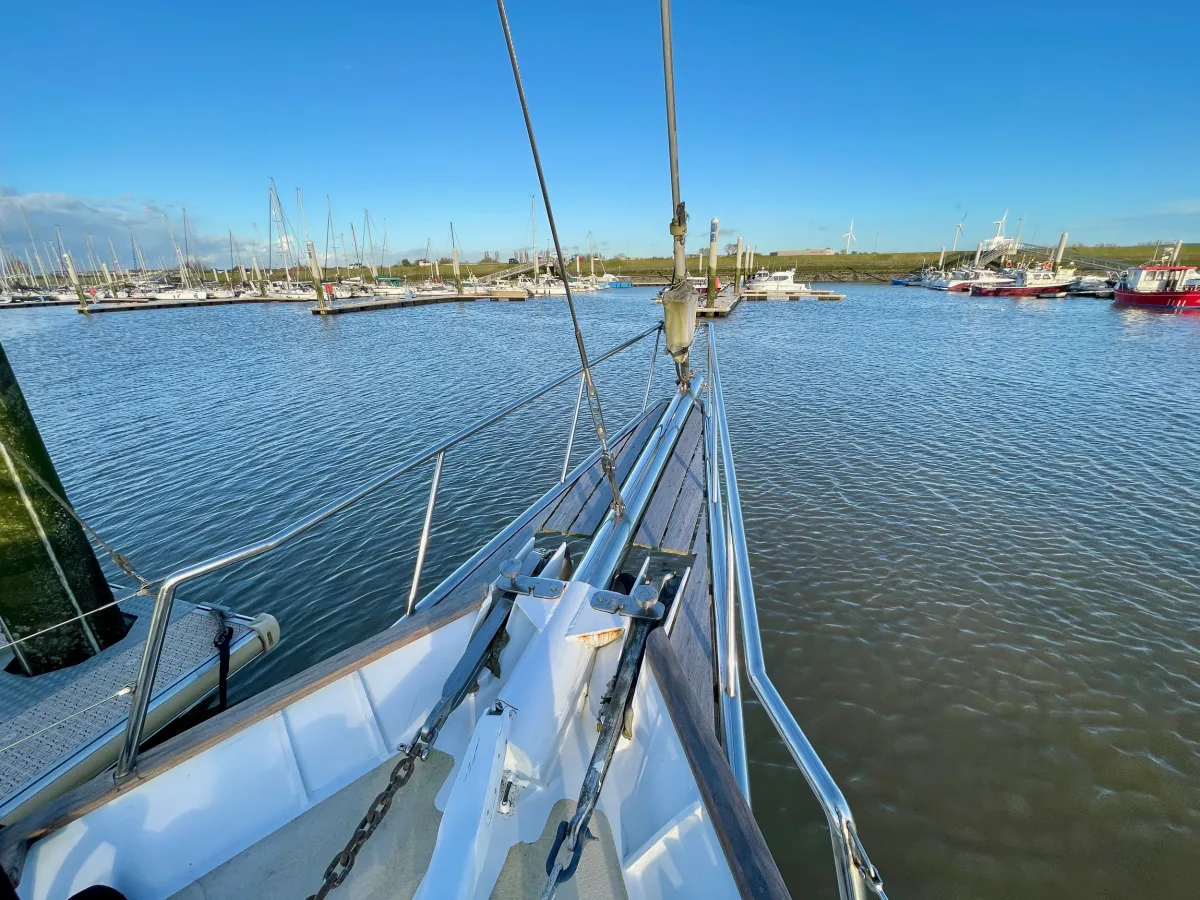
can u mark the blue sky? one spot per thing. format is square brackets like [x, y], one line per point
[793, 119]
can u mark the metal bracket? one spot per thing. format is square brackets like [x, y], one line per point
[641, 603]
[511, 579]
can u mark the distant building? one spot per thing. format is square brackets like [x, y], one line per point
[824, 251]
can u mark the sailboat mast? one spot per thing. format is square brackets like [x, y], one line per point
[370, 244]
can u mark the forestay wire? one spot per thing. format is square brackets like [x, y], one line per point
[606, 461]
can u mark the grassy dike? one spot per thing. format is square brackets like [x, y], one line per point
[848, 267]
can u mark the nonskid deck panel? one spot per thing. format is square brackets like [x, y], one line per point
[188, 647]
[291, 861]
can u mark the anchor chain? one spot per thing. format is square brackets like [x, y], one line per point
[339, 868]
[482, 651]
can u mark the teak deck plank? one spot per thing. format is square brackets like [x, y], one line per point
[654, 523]
[691, 633]
[681, 527]
[750, 862]
[593, 511]
[573, 500]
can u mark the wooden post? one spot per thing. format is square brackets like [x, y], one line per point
[713, 233]
[48, 572]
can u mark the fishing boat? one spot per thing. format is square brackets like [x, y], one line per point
[1034, 281]
[561, 716]
[1160, 287]
[1164, 284]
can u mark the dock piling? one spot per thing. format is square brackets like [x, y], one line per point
[713, 232]
[317, 279]
[1058, 253]
[737, 272]
[75, 281]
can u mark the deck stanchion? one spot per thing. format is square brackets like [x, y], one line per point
[571, 439]
[650, 379]
[421, 547]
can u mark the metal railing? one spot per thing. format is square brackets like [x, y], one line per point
[857, 878]
[166, 593]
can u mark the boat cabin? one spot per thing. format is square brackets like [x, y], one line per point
[1159, 279]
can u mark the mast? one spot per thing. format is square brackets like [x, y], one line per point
[357, 255]
[533, 234]
[454, 258]
[139, 258]
[277, 213]
[33, 243]
[328, 232]
[385, 247]
[116, 261]
[370, 244]
[183, 275]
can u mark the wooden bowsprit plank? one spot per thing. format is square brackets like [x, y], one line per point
[691, 634]
[682, 525]
[593, 511]
[582, 488]
[654, 523]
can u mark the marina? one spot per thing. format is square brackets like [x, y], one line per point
[633, 590]
[871, 500]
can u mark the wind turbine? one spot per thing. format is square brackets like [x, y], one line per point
[958, 231]
[999, 223]
[849, 236]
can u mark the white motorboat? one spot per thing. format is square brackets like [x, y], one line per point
[782, 285]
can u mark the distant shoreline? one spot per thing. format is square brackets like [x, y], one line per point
[837, 267]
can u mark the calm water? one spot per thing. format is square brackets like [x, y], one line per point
[974, 526]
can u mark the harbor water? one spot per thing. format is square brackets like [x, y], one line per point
[973, 523]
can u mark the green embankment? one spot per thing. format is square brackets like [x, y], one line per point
[837, 267]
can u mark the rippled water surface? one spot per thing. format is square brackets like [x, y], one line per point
[973, 522]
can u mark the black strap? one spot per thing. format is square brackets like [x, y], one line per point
[222, 642]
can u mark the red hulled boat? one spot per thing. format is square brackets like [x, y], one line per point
[1168, 287]
[1033, 282]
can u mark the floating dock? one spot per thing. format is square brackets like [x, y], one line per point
[369, 304]
[801, 294]
[725, 305]
[25, 304]
[105, 306]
